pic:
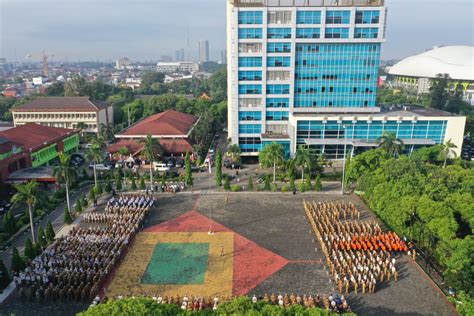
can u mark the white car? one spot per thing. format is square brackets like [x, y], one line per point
[162, 167]
[100, 167]
[88, 146]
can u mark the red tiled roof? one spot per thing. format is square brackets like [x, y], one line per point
[34, 135]
[170, 146]
[168, 123]
[63, 104]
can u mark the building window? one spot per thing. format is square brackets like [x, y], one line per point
[307, 33]
[250, 116]
[250, 17]
[250, 33]
[337, 32]
[250, 75]
[366, 32]
[250, 89]
[250, 61]
[250, 128]
[277, 116]
[279, 47]
[338, 17]
[278, 62]
[278, 89]
[279, 33]
[278, 102]
[367, 17]
[250, 144]
[279, 17]
[250, 48]
[250, 102]
[278, 75]
[308, 17]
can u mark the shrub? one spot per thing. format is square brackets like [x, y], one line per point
[78, 207]
[284, 188]
[42, 240]
[108, 186]
[267, 186]
[318, 186]
[307, 184]
[4, 276]
[18, 263]
[142, 183]
[235, 188]
[250, 184]
[50, 232]
[302, 187]
[133, 185]
[292, 184]
[98, 189]
[274, 187]
[67, 219]
[227, 184]
[29, 251]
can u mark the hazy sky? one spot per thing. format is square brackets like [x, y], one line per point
[147, 29]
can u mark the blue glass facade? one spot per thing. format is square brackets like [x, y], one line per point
[250, 116]
[308, 17]
[279, 47]
[336, 75]
[250, 17]
[250, 75]
[250, 33]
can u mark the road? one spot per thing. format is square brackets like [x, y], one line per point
[56, 218]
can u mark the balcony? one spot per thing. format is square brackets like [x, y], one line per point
[307, 3]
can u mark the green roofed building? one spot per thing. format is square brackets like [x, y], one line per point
[33, 145]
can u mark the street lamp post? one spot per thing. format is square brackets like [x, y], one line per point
[344, 161]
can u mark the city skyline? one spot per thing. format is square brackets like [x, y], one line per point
[144, 36]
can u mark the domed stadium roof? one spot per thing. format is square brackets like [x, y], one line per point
[457, 61]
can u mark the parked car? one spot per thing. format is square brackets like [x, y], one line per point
[100, 167]
[179, 164]
[232, 164]
[159, 166]
[88, 146]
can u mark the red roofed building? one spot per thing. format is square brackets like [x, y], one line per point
[172, 128]
[33, 145]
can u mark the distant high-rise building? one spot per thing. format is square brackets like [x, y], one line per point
[305, 73]
[223, 60]
[203, 51]
[121, 63]
[179, 56]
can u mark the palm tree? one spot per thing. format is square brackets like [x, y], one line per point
[150, 148]
[81, 126]
[272, 154]
[65, 172]
[28, 193]
[447, 149]
[234, 151]
[303, 159]
[106, 131]
[393, 145]
[94, 155]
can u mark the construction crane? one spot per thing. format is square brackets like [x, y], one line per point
[44, 58]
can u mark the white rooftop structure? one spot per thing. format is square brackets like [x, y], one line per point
[457, 61]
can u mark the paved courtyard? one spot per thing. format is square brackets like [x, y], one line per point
[273, 251]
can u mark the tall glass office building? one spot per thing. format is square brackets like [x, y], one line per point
[305, 72]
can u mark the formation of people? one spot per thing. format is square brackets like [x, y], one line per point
[358, 254]
[76, 266]
[333, 302]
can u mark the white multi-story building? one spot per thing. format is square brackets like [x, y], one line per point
[122, 63]
[306, 73]
[65, 112]
[181, 66]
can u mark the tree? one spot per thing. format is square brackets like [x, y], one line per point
[272, 154]
[4, 276]
[67, 219]
[133, 186]
[18, 264]
[303, 159]
[219, 169]
[447, 150]
[98, 189]
[29, 194]
[78, 209]
[151, 77]
[227, 184]
[9, 223]
[50, 234]
[118, 183]
[234, 152]
[266, 185]
[250, 184]
[29, 250]
[391, 144]
[189, 176]
[439, 91]
[141, 185]
[92, 194]
[94, 155]
[42, 240]
[123, 151]
[318, 185]
[151, 148]
[308, 184]
[108, 186]
[64, 172]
